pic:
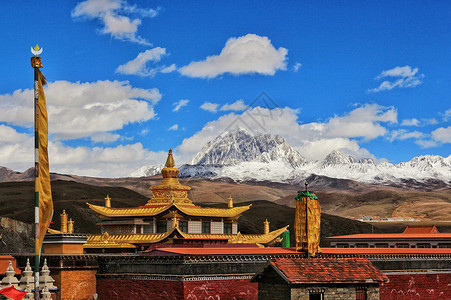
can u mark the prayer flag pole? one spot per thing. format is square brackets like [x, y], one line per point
[36, 64]
[43, 192]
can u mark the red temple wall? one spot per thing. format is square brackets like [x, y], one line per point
[239, 289]
[120, 289]
[191, 290]
[417, 286]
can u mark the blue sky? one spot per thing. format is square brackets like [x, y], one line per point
[130, 79]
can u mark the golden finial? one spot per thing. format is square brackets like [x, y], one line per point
[70, 226]
[36, 51]
[266, 226]
[230, 202]
[170, 161]
[107, 201]
[63, 222]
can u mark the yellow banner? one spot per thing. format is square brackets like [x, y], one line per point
[43, 178]
[307, 225]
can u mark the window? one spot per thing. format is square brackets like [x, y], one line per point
[162, 226]
[316, 296]
[361, 245]
[227, 228]
[205, 227]
[342, 245]
[402, 245]
[381, 245]
[423, 245]
[360, 294]
[183, 225]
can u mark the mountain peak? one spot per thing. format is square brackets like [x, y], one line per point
[239, 145]
[336, 157]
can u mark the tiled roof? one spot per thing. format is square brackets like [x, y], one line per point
[150, 238]
[312, 270]
[391, 236]
[420, 229]
[221, 251]
[386, 251]
[146, 211]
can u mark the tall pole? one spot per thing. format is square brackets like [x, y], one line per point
[36, 64]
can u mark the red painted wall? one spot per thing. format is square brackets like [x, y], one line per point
[239, 289]
[417, 286]
[117, 289]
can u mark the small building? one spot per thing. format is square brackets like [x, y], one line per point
[319, 279]
[170, 217]
[412, 237]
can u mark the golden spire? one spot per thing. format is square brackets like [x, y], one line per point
[107, 201]
[63, 221]
[169, 190]
[230, 202]
[169, 172]
[266, 227]
[170, 161]
[70, 226]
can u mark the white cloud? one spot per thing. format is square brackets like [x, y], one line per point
[174, 127]
[446, 115]
[113, 16]
[426, 143]
[403, 134]
[242, 55]
[364, 121]
[139, 65]
[313, 140]
[442, 134]
[179, 104]
[401, 77]
[410, 122]
[105, 137]
[101, 162]
[235, 106]
[168, 69]
[297, 66]
[77, 110]
[211, 107]
[16, 153]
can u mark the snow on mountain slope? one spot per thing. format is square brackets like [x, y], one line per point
[242, 156]
[235, 147]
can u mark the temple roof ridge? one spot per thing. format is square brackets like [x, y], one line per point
[99, 241]
[153, 210]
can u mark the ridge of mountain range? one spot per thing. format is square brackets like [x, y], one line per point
[244, 157]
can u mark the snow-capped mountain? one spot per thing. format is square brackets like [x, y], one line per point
[233, 148]
[241, 156]
[146, 171]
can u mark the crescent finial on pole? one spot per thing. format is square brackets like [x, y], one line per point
[36, 51]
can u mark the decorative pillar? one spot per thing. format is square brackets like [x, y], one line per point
[107, 201]
[307, 222]
[10, 279]
[266, 223]
[27, 279]
[70, 226]
[174, 219]
[230, 202]
[63, 222]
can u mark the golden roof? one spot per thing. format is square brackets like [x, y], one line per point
[148, 211]
[106, 241]
[96, 240]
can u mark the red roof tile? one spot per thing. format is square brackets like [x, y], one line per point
[392, 236]
[308, 270]
[221, 251]
[420, 229]
[386, 250]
